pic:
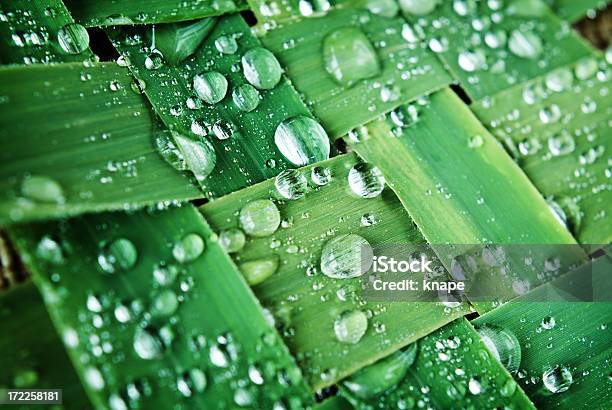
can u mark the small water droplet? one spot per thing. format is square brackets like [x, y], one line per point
[261, 68]
[291, 184]
[341, 257]
[120, 254]
[557, 379]
[232, 240]
[525, 44]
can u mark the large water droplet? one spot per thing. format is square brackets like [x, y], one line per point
[188, 248]
[503, 345]
[120, 254]
[291, 184]
[73, 38]
[302, 140]
[198, 156]
[261, 68]
[42, 189]
[246, 97]
[350, 326]
[260, 218]
[366, 180]
[349, 56]
[226, 44]
[341, 257]
[557, 379]
[210, 86]
[525, 44]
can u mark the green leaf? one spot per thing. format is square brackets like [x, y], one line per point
[112, 13]
[79, 139]
[558, 128]
[31, 30]
[457, 182]
[452, 370]
[245, 151]
[572, 10]
[487, 57]
[303, 300]
[563, 342]
[33, 356]
[149, 303]
[178, 41]
[351, 66]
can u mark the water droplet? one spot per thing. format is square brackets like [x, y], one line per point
[525, 44]
[503, 345]
[418, 7]
[561, 144]
[350, 326]
[341, 257]
[226, 44]
[193, 380]
[257, 271]
[232, 240]
[93, 377]
[147, 344]
[472, 60]
[464, 7]
[320, 175]
[586, 68]
[385, 8]
[368, 219]
[224, 130]
[559, 80]
[120, 254]
[42, 189]
[165, 274]
[302, 140]
[508, 389]
[210, 86]
[557, 379]
[291, 184]
[550, 114]
[246, 97]
[242, 397]
[474, 386]
[366, 180]
[260, 218]
[496, 39]
[189, 248]
[475, 141]
[165, 303]
[49, 250]
[548, 322]
[184, 153]
[154, 61]
[261, 68]
[73, 38]
[349, 56]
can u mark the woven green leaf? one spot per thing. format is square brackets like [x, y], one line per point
[423, 163]
[452, 369]
[306, 302]
[490, 46]
[351, 65]
[33, 356]
[243, 135]
[111, 12]
[564, 343]
[558, 129]
[77, 139]
[142, 303]
[35, 31]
